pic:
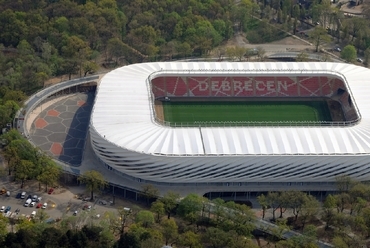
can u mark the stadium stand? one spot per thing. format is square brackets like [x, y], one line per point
[158, 87]
[286, 86]
[221, 86]
[198, 86]
[243, 86]
[176, 86]
[265, 86]
[309, 86]
[326, 89]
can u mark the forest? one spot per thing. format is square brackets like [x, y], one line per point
[49, 38]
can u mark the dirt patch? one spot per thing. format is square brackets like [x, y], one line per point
[289, 41]
[159, 110]
[241, 40]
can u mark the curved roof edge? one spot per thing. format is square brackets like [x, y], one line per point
[123, 116]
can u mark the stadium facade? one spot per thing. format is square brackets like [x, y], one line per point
[128, 137]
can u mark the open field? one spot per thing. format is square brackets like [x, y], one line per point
[206, 112]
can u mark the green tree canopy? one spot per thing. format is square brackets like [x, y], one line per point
[93, 180]
[349, 53]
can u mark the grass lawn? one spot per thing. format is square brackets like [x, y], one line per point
[195, 113]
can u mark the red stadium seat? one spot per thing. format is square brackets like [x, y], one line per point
[158, 87]
[326, 89]
[286, 86]
[309, 86]
[176, 86]
[198, 86]
[265, 86]
[221, 86]
[243, 86]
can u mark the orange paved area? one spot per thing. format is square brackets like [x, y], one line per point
[53, 112]
[56, 149]
[81, 103]
[40, 123]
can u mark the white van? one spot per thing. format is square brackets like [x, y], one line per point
[28, 202]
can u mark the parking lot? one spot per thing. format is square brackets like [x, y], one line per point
[63, 202]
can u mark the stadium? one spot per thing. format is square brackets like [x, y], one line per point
[234, 123]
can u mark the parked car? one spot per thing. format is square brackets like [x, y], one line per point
[17, 211]
[23, 195]
[34, 198]
[338, 49]
[51, 190]
[75, 213]
[360, 60]
[28, 202]
[44, 206]
[18, 196]
[8, 193]
[39, 205]
[39, 199]
[7, 209]
[32, 204]
[29, 197]
[33, 214]
[2, 209]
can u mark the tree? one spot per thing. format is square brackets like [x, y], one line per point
[94, 181]
[125, 216]
[11, 156]
[89, 67]
[158, 209]
[328, 210]
[263, 202]
[302, 57]
[145, 218]
[169, 230]
[149, 192]
[190, 207]
[41, 216]
[49, 173]
[349, 53]
[24, 169]
[310, 209]
[319, 35]
[3, 227]
[261, 53]
[218, 210]
[239, 218]
[216, 237]
[127, 240]
[190, 239]
[50, 237]
[367, 56]
[308, 238]
[342, 200]
[273, 201]
[116, 49]
[357, 195]
[169, 201]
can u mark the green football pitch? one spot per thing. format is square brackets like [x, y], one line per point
[205, 113]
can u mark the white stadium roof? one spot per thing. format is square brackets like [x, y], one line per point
[123, 115]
